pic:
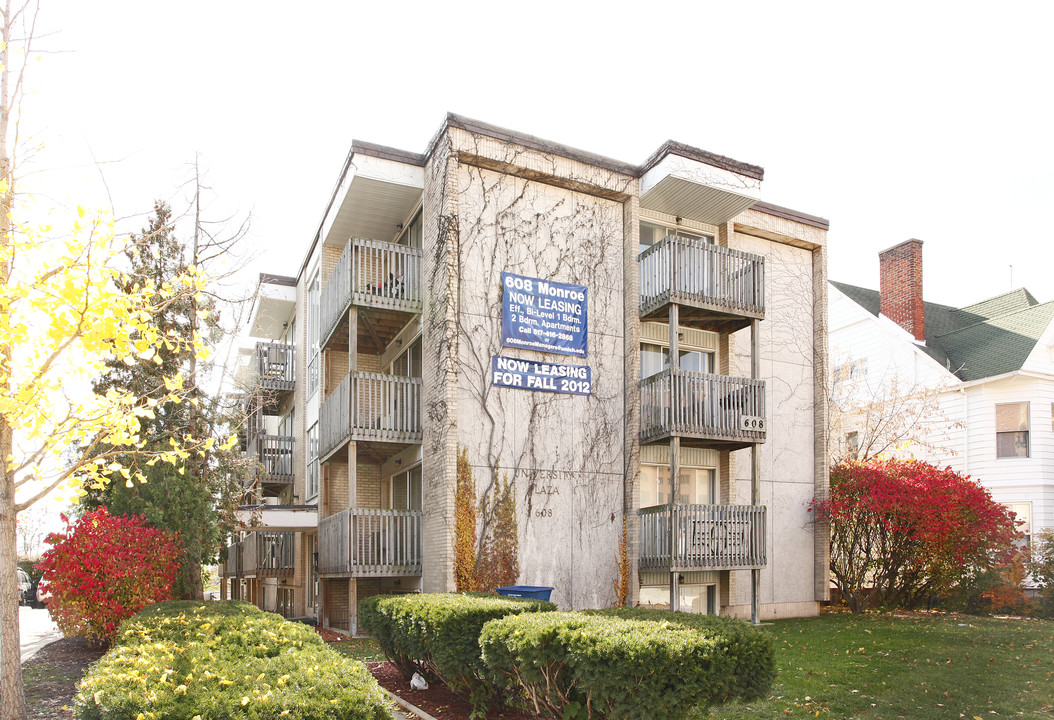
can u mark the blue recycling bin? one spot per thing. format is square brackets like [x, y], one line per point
[534, 592]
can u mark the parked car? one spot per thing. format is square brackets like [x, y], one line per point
[42, 594]
[25, 588]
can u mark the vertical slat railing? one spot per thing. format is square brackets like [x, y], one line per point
[333, 534]
[335, 298]
[274, 365]
[383, 541]
[705, 536]
[334, 418]
[275, 453]
[690, 270]
[386, 407]
[683, 402]
[385, 274]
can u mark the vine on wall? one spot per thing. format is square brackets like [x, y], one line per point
[621, 583]
[496, 561]
[464, 525]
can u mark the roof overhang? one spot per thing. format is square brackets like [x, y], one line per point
[695, 190]
[273, 305]
[375, 196]
[278, 518]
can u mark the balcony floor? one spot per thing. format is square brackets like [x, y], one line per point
[710, 442]
[701, 316]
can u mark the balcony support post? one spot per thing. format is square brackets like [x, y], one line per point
[675, 447]
[353, 358]
[755, 474]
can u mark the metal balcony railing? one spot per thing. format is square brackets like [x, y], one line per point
[705, 537]
[361, 542]
[691, 271]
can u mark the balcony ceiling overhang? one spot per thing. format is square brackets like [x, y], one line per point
[277, 518]
[377, 194]
[272, 307]
[697, 191]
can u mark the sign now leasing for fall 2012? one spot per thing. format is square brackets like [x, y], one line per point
[531, 375]
[543, 315]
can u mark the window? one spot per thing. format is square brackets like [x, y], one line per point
[852, 445]
[1011, 430]
[652, 234]
[411, 236]
[1023, 513]
[402, 491]
[314, 308]
[697, 485]
[656, 358]
[311, 489]
[851, 371]
[408, 363]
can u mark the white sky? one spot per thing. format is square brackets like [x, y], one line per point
[928, 120]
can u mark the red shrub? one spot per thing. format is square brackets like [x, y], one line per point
[104, 569]
[903, 532]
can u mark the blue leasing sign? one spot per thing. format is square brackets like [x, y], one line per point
[531, 375]
[543, 315]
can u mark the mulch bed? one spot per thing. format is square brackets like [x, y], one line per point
[52, 674]
[437, 701]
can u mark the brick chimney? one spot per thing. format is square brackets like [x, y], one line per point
[900, 286]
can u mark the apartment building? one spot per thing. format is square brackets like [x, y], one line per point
[589, 344]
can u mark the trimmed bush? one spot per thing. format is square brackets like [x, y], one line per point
[438, 635]
[752, 651]
[579, 665]
[181, 660]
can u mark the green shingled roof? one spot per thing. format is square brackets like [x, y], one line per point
[991, 337]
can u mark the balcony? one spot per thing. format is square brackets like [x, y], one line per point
[718, 288]
[361, 542]
[275, 455]
[371, 407]
[273, 366]
[703, 410]
[708, 537]
[264, 554]
[382, 277]
[231, 566]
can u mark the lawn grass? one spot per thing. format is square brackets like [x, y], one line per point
[362, 649]
[907, 666]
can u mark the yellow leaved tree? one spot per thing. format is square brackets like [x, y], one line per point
[62, 313]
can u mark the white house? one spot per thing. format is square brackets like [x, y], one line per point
[976, 382]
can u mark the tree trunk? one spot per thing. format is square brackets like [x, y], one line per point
[12, 697]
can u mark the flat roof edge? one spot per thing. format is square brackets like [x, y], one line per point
[672, 147]
[269, 279]
[788, 214]
[361, 147]
[536, 143]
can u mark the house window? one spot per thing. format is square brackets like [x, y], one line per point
[311, 489]
[852, 445]
[1023, 515]
[1011, 430]
[402, 491]
[849, 372]
[314, 309]
[697, 486]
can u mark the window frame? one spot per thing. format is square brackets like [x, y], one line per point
[1025, 429]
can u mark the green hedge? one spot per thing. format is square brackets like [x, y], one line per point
[181, 660]
[571, 664]
[752, 651]
[438, 635]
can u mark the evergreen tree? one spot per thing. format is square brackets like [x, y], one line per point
[196, 500]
